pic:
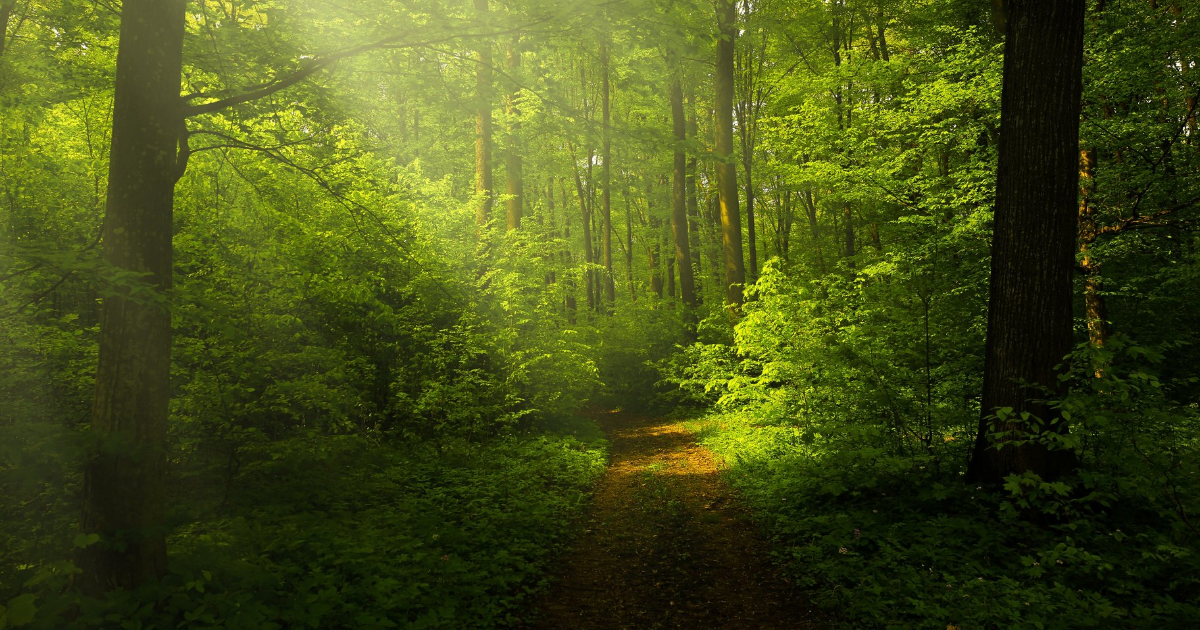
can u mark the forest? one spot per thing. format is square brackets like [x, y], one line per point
[599, 314]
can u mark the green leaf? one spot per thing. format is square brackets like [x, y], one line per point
[84, 540]
[20, 610]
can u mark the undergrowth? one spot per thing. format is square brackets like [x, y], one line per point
[901, 542]
[341, 533]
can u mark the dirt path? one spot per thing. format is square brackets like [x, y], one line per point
[665, 546]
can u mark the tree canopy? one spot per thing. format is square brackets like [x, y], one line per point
[301, 302]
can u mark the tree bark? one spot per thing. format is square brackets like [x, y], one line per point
[679, 218]
[1034, 236]
[6, 9]
[483, 124]
[515, 186]
[124, 478]
[727, 192]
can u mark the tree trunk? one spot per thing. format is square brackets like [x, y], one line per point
[1093, 300]
[679, 218]
[124, 478]
[483, 124]
[552, 234]
[693, 206]
[655, 256]
[848, 223]
[587, 229]
[1035, 234]
[572, 307]
[810, 210]
[512, 165]
[6, 9]
[629, 246]
[731, 220]
[606, 175]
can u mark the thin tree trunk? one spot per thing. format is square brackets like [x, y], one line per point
[655, 256]
[629, 246]
[1035, 236]
[731, 220]
[1093, 300]
[693, 207]
[572, 306]
[606, 175]
[679, 218]
[810, 210]
[512, 167]
[483, 125]
[586, 213]
[124, 485]
[552, 233]
[848, 225]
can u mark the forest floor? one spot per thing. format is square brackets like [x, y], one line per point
[666, 545]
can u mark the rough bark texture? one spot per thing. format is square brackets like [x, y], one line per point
[679, 217]
[483, 124]
[727, 192]
[512, 164]
[1033, 247]
[124, 484]
[606, 175]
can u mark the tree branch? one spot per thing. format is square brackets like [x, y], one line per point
[314, 66]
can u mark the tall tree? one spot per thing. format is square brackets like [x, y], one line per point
[124, 489]
[513, 164]
[750, 63]
[693, 202]
[483, 123]
[679, 211]
[1034, 239]
[6, 10]
[606, 172]
[727, 192]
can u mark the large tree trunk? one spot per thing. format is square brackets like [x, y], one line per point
[1034, 239]
[6, 9]
[515, 186]
[483, 124]
[679, 218]
[606, 175]
[731, 219]
[124, 477]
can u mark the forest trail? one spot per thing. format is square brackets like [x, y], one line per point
[666, 546]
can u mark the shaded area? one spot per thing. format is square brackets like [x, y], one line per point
[666, 546]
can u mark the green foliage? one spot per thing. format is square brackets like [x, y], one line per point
[900, 542]
[342, 533]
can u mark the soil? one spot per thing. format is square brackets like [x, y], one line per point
[665, 544]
